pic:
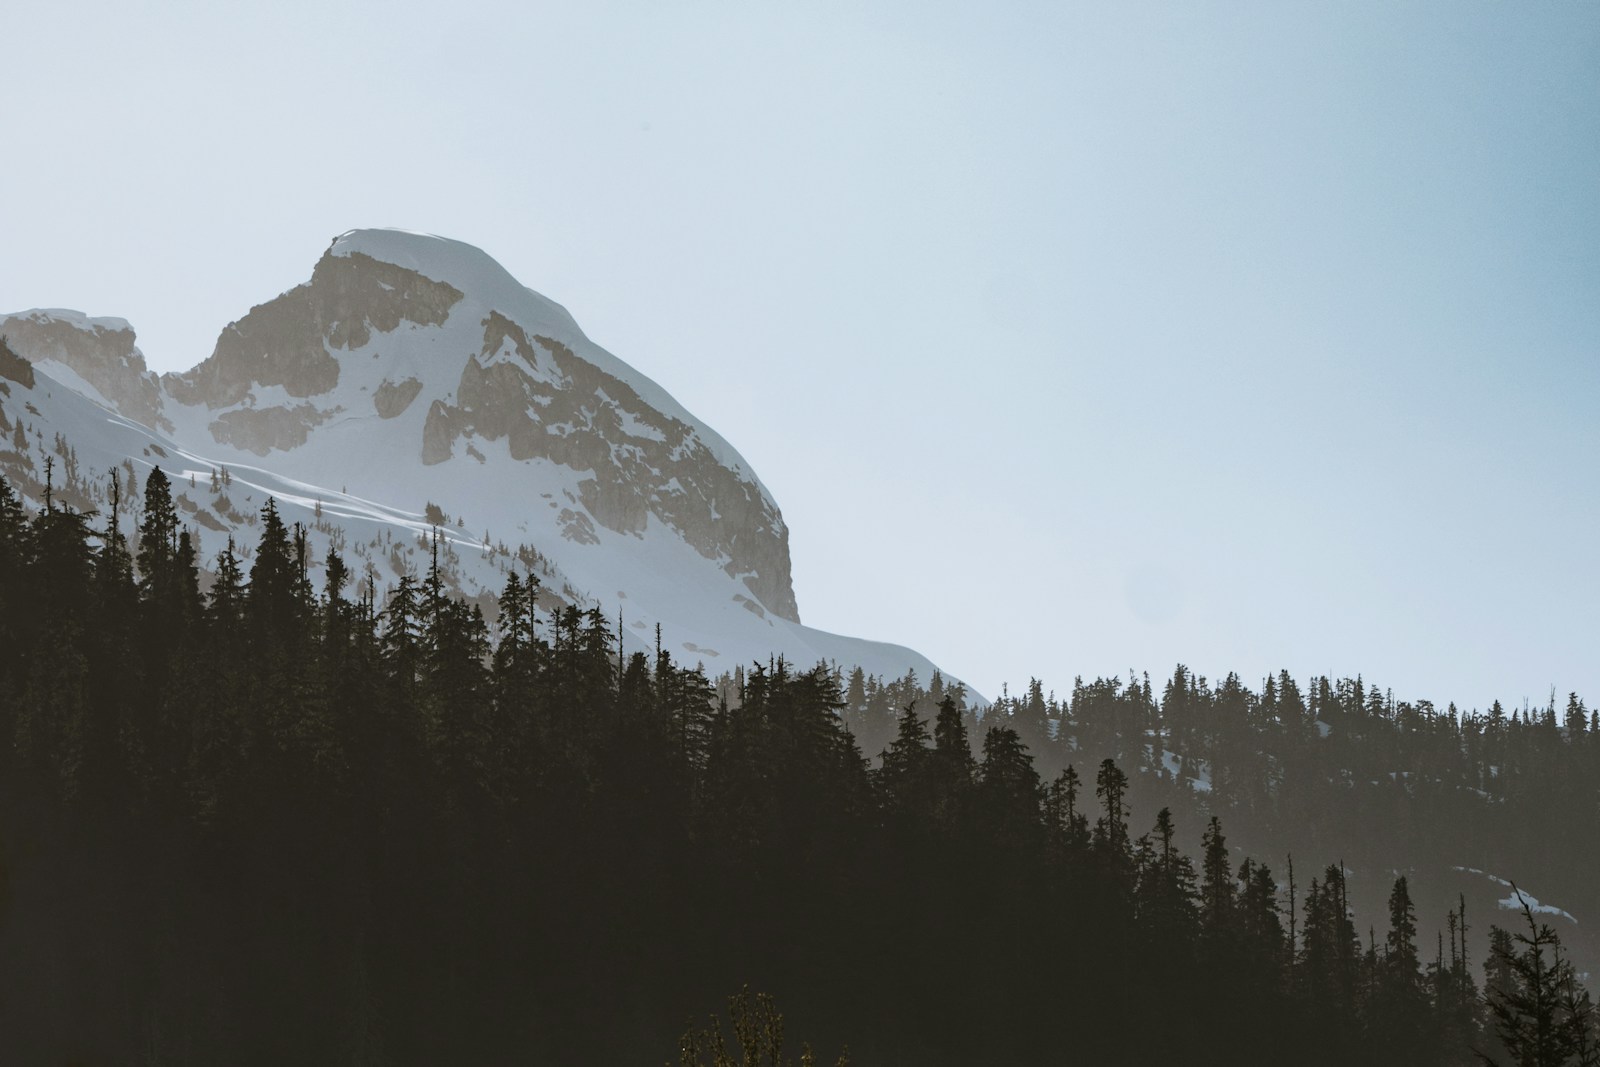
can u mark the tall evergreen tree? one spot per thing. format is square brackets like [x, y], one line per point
[158, 532]
[1111, 829]
[1527, 997]
[1008, 788]
[904, 774]
[1216, 885]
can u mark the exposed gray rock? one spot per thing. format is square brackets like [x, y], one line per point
[14, 367]
[531, 392]
[552, 404]
[576, 526]
[100, 351]
[289, 341]
[392, 398]
[555, 441]
[438, 433]
[261, 430]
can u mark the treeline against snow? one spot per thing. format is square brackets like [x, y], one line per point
[271, 823]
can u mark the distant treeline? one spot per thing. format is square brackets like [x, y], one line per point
[1328, 767]
[1515, 789]
[276, 824]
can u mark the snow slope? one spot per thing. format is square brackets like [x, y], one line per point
[414, 371]
[488, 283]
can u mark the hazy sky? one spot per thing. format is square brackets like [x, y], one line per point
[1070, 338]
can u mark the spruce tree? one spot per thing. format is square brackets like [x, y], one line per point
[158, 531]
[952, 769]
[270, 600]
[1527, 997]
[1111, 829]
[1399, 1006]
[904, 771]
[1216, 885]
[1008, 788]
[1166, 891]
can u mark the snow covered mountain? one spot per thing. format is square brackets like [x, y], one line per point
[411, 385]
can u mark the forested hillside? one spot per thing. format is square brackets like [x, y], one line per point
[1463, 800]
[243, 820]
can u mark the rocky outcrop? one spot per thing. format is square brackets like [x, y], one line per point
[576, 526]
[487, 362]
[392, 398]
[439, 433]
[14, 367]
[290, 341]
[545, 402]
[100, 351]
[551, 455]
[261, 430]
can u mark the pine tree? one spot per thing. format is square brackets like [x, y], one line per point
[1069, 826]
[953, 769]
[454, 693]
[270, 600]
[904, 772]
[158, 532]
[1400, 951]
[14, 596]
[57, 737]
[1008, 788]
[1264, 943]
[402, 642]
[1399, 1007]
[226, 602]
[518, 659]
[1167, 898]
[684, 699]
[1328, 964]
[1111, 829]
[1527, 996]
[1216, 885]
[1577, 718]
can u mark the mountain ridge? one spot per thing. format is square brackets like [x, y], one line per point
[416, 371]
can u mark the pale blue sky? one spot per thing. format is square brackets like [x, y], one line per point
[1070, 338]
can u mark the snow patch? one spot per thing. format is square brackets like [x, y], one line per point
[1518, 897]
[1200, 771]
[635, 428]
[76, 319]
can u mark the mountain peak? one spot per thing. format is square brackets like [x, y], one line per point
[439, 258]
[464, 266]
[409, 344]
[412, 392]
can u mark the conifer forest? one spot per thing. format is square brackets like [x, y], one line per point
[247, 820]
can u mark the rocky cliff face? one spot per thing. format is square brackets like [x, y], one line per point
[440, 344]
[413, 395]
[14, 368]
[291, 341]
[547, 403]
[100, 351]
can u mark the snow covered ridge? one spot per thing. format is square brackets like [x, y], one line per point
[404, 345]
[475, 272]
[412, 383]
